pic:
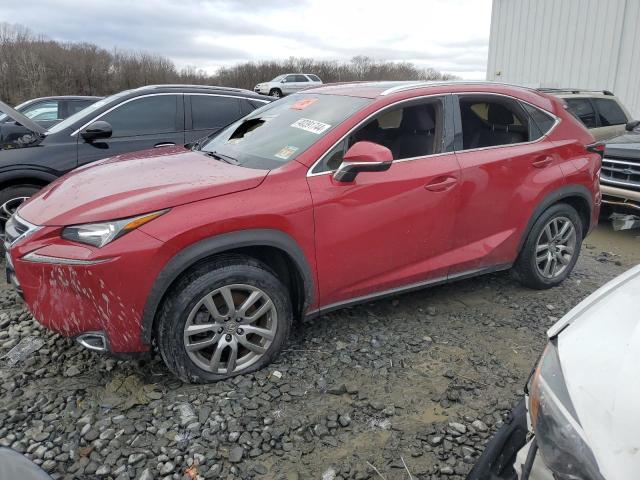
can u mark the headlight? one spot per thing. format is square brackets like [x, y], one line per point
[559, 435]
[101, 233]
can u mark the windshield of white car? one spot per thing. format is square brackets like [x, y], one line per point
[278, 78]
[280, 131]
[86, 112]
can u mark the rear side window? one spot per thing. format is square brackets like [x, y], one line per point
[314, 78]
[491, 121]
[210, 111]
[609, 112]
[301, 78]
[541, 122]
[144, 116]
[582, 109]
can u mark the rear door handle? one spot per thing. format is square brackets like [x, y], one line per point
[164, 144]
[542, 162]
[440, 185]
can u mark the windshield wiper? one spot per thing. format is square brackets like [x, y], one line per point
[222, 158]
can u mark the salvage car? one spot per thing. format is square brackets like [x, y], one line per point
[620, 176]
[580, 410]
[288, 83]
[47, 111]
[599, 110]
[324, 199]
[146, 117]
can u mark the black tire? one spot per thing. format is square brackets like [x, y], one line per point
[275, 92]
[526, 270]
[179, 302]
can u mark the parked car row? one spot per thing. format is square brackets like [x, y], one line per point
[328, 197]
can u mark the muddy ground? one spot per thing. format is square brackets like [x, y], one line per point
[412, 384]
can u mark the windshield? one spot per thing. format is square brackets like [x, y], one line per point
[280, 131]
[278, 78]
[85, 112]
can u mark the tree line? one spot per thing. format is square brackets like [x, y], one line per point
[34, 66]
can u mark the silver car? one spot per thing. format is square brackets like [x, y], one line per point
[287, 83]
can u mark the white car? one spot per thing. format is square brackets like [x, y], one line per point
[288, 83]
[581, 408]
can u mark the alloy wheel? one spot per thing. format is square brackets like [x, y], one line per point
[7, 209]
[230, 329]
[555, 247]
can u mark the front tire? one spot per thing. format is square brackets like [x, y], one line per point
[551, 249]
[227, 318]
[275, 92]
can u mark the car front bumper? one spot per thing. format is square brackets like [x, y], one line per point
[621, 197]
[74, 289]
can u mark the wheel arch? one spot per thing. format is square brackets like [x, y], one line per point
[578, 196]
[275, 248]
[13, 178]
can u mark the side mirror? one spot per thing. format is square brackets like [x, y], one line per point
[95, 130]
[284, 80]
[631, 126]
[363, 157]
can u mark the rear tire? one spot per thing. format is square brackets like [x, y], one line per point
[275, 92]
[203, 334]
[551, 249]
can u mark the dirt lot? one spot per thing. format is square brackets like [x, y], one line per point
[412, 384]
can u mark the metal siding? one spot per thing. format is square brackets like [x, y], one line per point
[588, 44]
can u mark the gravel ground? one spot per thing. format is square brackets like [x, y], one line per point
[414, 384]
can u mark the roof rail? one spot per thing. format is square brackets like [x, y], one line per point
[574, 90]
[181, 85]
[429, 83]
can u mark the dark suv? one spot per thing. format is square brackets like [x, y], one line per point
[147, 117]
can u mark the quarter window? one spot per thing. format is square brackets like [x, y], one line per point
[314, 78]
[209, 111]
[609, 112]
[490, 121]
[144, 116]
[582, 109]
[540, 123]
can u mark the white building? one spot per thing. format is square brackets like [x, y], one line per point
[589, 44]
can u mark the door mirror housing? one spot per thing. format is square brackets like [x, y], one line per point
[631, 126]
[363, 157]
[96, 130]
[284, 80]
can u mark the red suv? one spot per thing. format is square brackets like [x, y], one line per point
[326, 198]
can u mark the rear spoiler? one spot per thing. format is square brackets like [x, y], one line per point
[21, 119]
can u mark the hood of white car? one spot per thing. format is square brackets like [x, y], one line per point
[599, 348]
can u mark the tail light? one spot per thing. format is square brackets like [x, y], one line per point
[597, 147]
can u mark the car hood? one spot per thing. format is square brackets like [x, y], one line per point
[21, 119]
[627, 146]
[599, 349]
[136, 183]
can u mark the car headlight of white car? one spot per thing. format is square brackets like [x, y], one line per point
[559, 435]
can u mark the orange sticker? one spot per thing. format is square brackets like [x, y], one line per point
[304, 103]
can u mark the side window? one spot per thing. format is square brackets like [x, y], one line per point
[409, 131]
[290, 78]
[491, 121]
[144, 116]
[43, 111]
[582, 109]
[540, 123]
[210, 111]
[77, 105]
[609, 112]
[301, 78]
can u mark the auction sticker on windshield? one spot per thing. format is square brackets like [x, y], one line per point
[309, 125]
[286, 152]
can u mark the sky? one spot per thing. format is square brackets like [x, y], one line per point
[449, 35]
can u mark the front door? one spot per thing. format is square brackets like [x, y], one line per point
[392, 229]
[141, 123]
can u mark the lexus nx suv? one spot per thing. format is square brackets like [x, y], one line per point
[330, 197]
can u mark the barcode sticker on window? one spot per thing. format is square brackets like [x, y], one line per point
[309, 125]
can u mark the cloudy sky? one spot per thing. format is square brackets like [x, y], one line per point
[449, 35]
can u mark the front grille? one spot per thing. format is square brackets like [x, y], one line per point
[620, 173]
[16, 228]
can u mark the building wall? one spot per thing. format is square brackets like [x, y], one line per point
[590, 44]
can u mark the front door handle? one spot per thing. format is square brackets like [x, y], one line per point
[440, 185]
[164, 144]
[542, 162]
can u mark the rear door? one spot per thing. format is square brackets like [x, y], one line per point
[507, 165]
[148, 121]
[207, 114]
